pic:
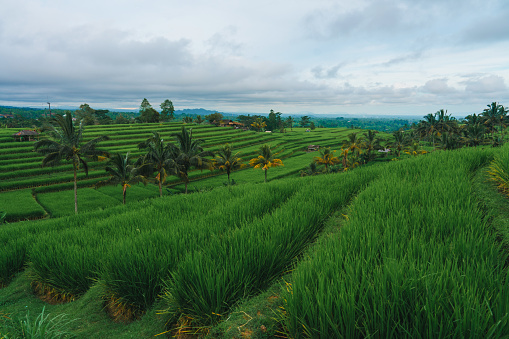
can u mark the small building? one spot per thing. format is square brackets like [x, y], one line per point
[6, 116]
[26, 135]
[230, 123]
[313, 148]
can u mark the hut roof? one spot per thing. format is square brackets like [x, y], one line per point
[25, 132]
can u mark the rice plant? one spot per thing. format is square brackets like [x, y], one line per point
[415, 259]
[209, 282]
[498, 170]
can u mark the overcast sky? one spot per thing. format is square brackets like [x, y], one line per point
[294, 56]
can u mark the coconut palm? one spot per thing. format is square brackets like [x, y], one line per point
[160, 159]
[399, 142]
[352, 145]
[415, 149]
[66, 144]
[123, 172]
[371, 143]
[326, 158]
[189, 153]
[259, 124]
[429, 127]
[290, 122]
[265, 160]
[474, 135]
[225, 160]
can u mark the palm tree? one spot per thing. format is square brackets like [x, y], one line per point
[326, 158]
[290, 122]
[159, 158]
[399, 142]
[227, 161]
[265, 160]
[474, 135]
[65, 143]
[428, 127]
[351, 145]
[259, 124]
[371, 142]
[491, 116]
[415, 149]
[124, 173]
[189, 153]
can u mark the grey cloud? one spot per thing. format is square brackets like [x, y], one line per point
[405, 58]
[485, 84]
[377, 17]
[321, 72]
[223, 42]
[490, 29]
[438, 87]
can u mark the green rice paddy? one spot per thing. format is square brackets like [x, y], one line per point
[417, 249]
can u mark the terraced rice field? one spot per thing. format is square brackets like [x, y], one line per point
[46, 190]
[416, 255]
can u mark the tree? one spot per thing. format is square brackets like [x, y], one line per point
[304, 121]
[312, 126]
[371, 143]
[290, 122]
[399, 142]
[265, 160]
[214, 118]
[352, 145]
[188, 153]
[160, 158]
[102, 116]
[327, 158]
[415, 149]
[227, 161]
[187, 120]
[274, 121]
[147, 113]
[123, 172]
[198, 119]
[259, 124]
[66, 143]
[495, 114]
[474, 135]
[86, 115]
[120, 119]
[167, 110]
[428, 127]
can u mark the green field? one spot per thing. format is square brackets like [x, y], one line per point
[415, 248]
[51, 187]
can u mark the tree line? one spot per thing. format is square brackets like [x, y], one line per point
[438, 131]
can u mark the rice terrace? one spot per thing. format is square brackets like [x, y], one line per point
[223, 229]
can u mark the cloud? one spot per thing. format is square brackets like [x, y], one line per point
[485, 84]
[223, 42]
[320, 72]
[438, 87]
[405, 58]
[372, 19]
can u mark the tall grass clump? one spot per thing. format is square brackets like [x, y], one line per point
[415, 259]
[498, 170]
[42, 327]
[64, 264]
[12, 259]
[133, 271]
[209, 282]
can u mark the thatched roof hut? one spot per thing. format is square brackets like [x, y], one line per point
[26, 135]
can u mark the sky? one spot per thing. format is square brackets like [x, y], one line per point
[367, 57]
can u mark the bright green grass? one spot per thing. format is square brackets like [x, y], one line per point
[20, 205]
[62, 203]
